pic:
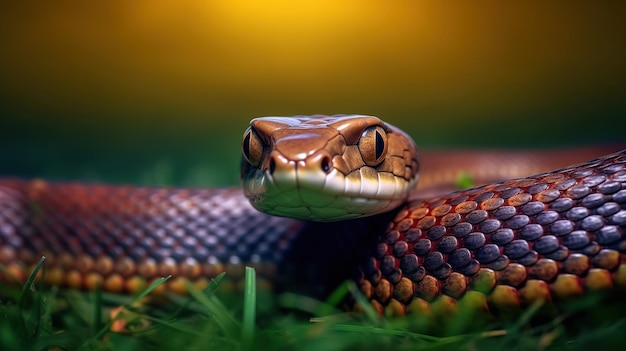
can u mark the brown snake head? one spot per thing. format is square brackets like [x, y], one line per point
[327, 168]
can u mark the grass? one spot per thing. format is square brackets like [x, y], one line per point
[42, 318]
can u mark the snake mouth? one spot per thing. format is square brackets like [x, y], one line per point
[324, 197]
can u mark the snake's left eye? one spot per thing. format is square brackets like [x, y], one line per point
[373, 145]
[252, 147]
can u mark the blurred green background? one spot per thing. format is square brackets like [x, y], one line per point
[160, 91]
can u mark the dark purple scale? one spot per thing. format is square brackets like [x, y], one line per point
[461, 229]
[613, 168]
[484, 196]
[536, 188]
[546, 217]
[489, 226]
[180, 253]
[507, 193]
[387, 264]
[594, 180]
[376, 276]
[562, 204]
[201, 254]
[471, 268]
[442, 272]
[565, 184]
[167, 242]
[381, 250]
[592, 223]
[392, 236]
[582, 173]
[412, 234]
[593, 200]
[394, 276]
[474, 240]
[436, 232]
[546, 244]
[231, 241]
[505, 212]
[476, 216]
[518, 221]
[577, 213]
[400, 248]
[620, 176]
[409, 263]
[531, 232]
[608, 209]
[576, 240]
[459, 258]
[502, 236]
[127, 242]
[533, 208]
[499, 263]
[608, 235]
[562, 227]
[609, 187]
[447, 244]
[559, 254]
[528, 259]
[139, 254]
[116, 252]
[422, 247]
[591, 249]
[160, 253]
[619, 218]
[457, 200]
[516, 249]
[433, 261]
[487, 253]
[578, 191]
[416, 275]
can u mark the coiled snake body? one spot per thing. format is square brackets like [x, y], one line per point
[345, 181]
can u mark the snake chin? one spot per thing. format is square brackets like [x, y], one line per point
[315, 205]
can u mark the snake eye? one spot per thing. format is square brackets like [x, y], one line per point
[373, 145]
[252, 147]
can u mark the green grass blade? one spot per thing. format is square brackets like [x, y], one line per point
[371, 314]
[149, 289]
[107, 327]
[31, 278]
[249, 309]
[219, 313]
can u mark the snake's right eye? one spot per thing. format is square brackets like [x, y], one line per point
[252, 147]
[373, 145]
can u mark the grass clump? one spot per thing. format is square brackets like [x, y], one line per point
[42, 318]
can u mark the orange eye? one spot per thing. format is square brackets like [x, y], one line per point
[252, 147]
[373, 145]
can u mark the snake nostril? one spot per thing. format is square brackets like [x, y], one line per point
[272, 165]
[325, 164]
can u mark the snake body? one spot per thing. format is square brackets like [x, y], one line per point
[546, 236]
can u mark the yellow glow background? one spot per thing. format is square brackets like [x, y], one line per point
[112, 89]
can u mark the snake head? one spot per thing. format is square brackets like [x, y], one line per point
[327, 168]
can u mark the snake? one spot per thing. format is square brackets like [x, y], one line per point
[329, 199]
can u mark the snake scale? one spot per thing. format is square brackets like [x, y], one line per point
[348, 184]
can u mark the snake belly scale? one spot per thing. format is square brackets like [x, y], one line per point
[546, 236]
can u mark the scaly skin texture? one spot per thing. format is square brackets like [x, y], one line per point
[543, 237]
[548, 236]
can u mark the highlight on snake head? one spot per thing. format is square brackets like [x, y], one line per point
[327, 168]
